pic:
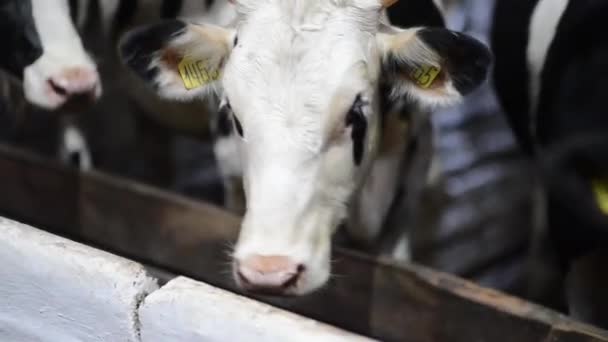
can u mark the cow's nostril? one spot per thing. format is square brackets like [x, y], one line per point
[294, 277]
[82, 84]
[242, 278]
[57, 88]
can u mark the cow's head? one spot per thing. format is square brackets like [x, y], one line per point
[301, 81]
[41, 46]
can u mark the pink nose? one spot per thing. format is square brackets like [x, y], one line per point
[268, 274]
[76, 83]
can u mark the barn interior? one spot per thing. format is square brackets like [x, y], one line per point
[468, 207]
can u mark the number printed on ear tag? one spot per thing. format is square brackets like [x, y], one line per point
[600, 189]
[425, 75]
[195, 73]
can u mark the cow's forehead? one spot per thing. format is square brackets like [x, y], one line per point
[304, 9]
[294, 60]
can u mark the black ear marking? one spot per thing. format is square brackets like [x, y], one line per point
[138, 47]
[466, 59]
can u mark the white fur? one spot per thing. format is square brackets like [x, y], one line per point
[228, 154]
[317, 57]
[543, 26]
[402, 251]
[373, 202]
[74, 142]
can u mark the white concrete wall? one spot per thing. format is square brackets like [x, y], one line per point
[52, 289]
[188, 311]
[56, 290]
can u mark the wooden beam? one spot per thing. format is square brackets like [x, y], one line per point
[372, 297]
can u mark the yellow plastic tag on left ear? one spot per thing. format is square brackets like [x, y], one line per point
[600, 189]
[196, 73]
[425, 75]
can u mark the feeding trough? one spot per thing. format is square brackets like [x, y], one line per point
[369, 296]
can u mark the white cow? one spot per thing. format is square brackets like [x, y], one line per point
[304, 83]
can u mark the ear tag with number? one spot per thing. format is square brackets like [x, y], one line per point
[195, 73]
[425, 75]
[600, 189]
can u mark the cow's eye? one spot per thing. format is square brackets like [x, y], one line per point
[358, 123]
[237, 124]
[239, 127]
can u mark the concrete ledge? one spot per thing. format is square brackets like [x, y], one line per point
[56, 290]
[185, 310]
[53, 289]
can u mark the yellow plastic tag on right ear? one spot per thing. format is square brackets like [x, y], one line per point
[600, 189]
[196, 73]
[425, 75]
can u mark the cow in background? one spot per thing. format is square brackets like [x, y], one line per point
[308, 87]
[43, 50]
[551, 64]
[45, 40]
[145, 137]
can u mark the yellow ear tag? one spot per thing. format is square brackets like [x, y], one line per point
[425, 75]
[195, 73]
[600, 188]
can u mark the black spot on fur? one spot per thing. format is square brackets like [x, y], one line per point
[386, 103]
[415, 13]
[20, 40]
[510, 33]
[224, 122]
[239, 127]
[139, 46]
[170, 8]
[358, 123]
[74, 9]
[467, 60]
[75, 159]
[124, 15]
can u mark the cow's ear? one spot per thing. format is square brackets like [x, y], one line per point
[179, 60]
[433, 66]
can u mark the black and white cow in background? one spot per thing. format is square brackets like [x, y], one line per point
[551, 68]
[42, 48]
[143, 134]
[308, 86]
[45, 41]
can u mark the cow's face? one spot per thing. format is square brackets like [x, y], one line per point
[41, 47]
[301, 81]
